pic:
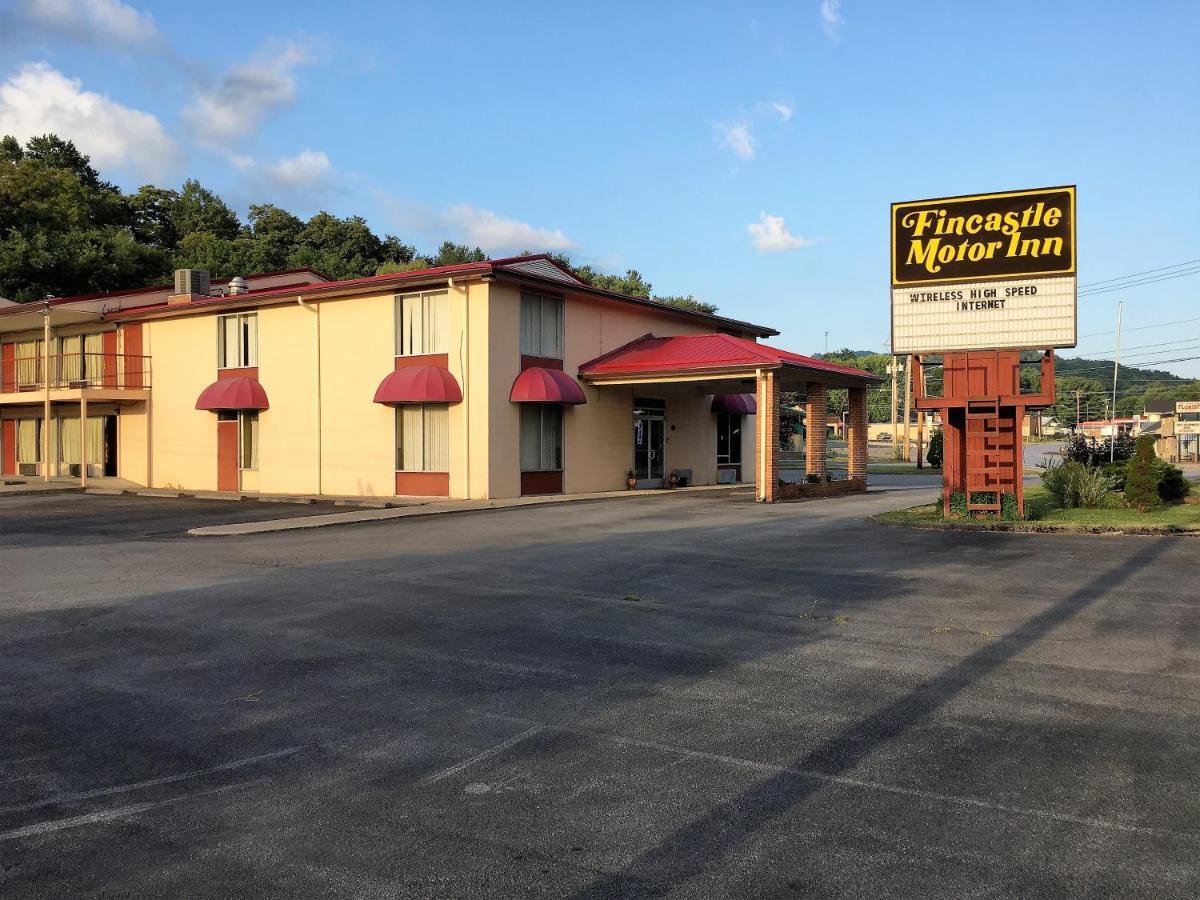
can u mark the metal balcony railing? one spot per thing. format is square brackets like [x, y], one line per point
[121, 371]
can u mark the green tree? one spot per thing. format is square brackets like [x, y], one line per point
[452, 254]
[1141, 479]
[688, 302]
[63, 230]
[198, 209]
[152, 209]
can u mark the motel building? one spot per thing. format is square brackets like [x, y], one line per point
[484, 380]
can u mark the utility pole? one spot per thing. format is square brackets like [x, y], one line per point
[907, 406]
[920, 438]
[1077, 419]
[827, 343]
[1112, 443]
[893, 370]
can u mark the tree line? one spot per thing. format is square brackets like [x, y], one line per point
[64, 230]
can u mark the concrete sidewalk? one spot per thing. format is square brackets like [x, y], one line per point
[441, 507]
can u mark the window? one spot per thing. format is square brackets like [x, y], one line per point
[29, 440]
[423, 438]
[541, 437]
[422, 323]
[28, 358]
[237, 341]
[729, 439]
[248, 440]
[82, 358]
[541, 325]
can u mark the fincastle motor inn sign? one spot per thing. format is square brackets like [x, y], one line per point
[984, 271]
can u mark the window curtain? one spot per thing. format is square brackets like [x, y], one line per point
[93, 359]
[437, 438]
[29, 448]
[228, 335]
[541, 326]
[248, 352]
[541, 437]
[95, 440]
[412, 439]
[423, 438]
[531, 325]
[68, 441]
[29, 363]
[423, 324]
[249, 440]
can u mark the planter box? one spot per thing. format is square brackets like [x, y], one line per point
[814, 491]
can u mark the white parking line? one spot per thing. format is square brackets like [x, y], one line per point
[486, 754]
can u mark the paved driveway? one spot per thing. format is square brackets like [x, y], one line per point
[690, 696]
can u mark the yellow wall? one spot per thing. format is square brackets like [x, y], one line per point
[358, 436]
[287, 432]
[132, 437]
[184, 439]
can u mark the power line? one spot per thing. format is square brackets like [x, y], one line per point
[1140, 283]
[1143, 327]
[1189, 262]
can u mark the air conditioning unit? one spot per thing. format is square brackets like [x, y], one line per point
[191, 281]
[27, 469]
[74, 469]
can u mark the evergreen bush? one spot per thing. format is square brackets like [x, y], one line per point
[1141, 478]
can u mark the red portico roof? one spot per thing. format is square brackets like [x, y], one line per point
[716, 353]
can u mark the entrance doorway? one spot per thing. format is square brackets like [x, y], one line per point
[110, 446]
[729, 448]
[649, 441]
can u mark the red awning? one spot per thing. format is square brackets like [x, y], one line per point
[538, 385]
[419, 384]
[233, 393]
[743, 404]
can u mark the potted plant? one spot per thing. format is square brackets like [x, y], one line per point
[631, 480]
[673, 479]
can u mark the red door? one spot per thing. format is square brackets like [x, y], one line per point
[227, 455]
[8, 447]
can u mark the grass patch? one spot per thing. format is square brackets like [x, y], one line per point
[1042, 512]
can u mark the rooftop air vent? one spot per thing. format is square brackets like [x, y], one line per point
[238, 285]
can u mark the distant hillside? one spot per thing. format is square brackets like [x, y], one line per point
[1082, 386]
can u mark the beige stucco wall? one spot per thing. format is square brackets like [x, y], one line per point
[287, 432]
[132, 436]
[358, 455]
[183, 438]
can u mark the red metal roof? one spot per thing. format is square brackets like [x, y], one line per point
[500, 267]
[233, 394]
[538, 385]
[649, 355]
[419, 384]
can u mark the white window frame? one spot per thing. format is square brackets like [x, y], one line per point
[431, 309]
[542, 332]
[546, 414]
[431, 415]
[245, 354]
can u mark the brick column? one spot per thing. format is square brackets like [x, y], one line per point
[856, 433]
[766, 447]
[815, 430]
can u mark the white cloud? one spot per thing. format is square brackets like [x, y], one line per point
[86, 21]
[306, 169]
[832, 19]
[772, 236]
[248, 93]
[486, 229]
[783, 110]
[39, 99]
[471, 225]
[737, 138]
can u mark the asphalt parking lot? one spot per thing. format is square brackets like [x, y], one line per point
[686, 696]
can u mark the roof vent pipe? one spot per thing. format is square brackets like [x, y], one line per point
[238, 285]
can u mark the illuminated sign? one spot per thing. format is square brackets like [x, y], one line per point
[985, 271]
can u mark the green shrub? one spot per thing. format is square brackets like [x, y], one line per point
[935, 449]
[1075, 484]
[1009, 511]
[1173, 486]
[1141, 478]
[958, 505]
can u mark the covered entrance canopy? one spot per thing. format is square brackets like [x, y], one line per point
[726, 364]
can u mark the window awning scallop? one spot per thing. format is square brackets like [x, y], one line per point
[419, 384]
[743, 404]
[538, 385]
[241, 393]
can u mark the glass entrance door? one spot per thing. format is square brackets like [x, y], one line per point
[649, 441]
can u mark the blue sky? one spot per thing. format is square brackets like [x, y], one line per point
[742, 153]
